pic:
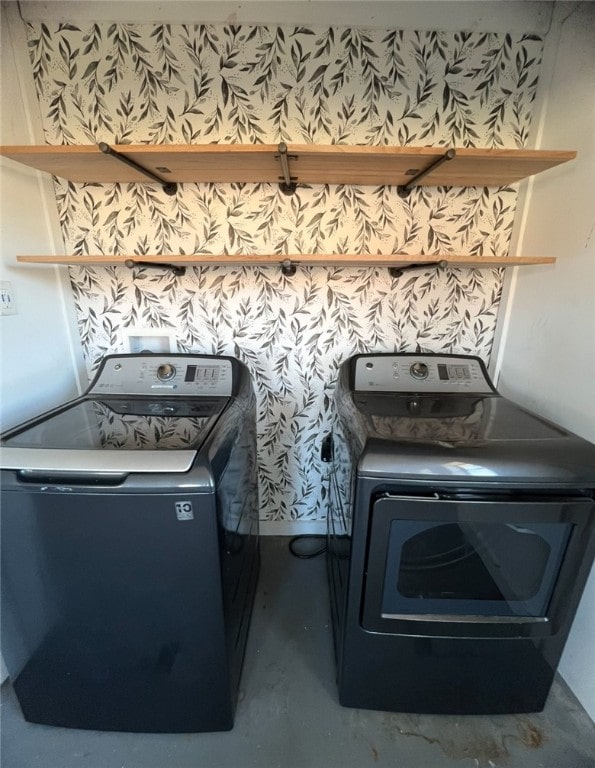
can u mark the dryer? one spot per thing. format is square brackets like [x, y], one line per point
[460, 538]
[129, 533]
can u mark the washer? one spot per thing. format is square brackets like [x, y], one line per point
[130, 548]
[459, 542]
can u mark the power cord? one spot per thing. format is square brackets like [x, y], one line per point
[326, 455]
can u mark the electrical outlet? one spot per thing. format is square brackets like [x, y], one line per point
[7, 300]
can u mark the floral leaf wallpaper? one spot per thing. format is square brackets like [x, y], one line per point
[141, 83]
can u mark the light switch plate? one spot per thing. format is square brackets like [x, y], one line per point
[7, 300]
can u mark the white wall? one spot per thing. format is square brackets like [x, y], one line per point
[41, 351]
[548, 352]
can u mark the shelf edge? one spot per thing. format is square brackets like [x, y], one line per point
[326, 260]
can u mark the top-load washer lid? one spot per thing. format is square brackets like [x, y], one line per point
[142, 413]
[114, 435]
[439, 416]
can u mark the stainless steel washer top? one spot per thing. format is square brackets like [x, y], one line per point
[141, 413]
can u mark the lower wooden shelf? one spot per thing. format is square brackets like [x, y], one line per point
[400, 261]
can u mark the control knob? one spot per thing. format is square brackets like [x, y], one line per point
[166, 372]
[419, 371]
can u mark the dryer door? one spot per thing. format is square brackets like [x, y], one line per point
[471, 566]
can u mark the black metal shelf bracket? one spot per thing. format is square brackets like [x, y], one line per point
[288, 268]
[177, 270]
[288, 185]
[169, 187]
[404, 189]
[398, 271]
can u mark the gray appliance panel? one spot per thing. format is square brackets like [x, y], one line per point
[420, 373]
[164, 375]
[115, 611]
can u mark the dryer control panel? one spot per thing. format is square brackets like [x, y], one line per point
[164, 375]
[421, 373]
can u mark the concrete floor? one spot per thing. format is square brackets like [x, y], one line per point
[288, 715]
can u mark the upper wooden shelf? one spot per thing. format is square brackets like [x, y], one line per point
[301, 163]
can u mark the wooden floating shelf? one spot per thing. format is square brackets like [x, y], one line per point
[300, 163]
[402, 261]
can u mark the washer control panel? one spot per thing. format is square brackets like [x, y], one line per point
[420, 373]
[170, 375]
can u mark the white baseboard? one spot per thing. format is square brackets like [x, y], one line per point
[291, 528]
